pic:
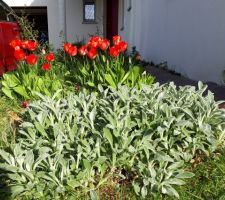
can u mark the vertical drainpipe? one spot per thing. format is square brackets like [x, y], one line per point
[62, 18]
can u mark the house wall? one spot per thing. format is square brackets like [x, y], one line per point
[188, 34]
[75, 29]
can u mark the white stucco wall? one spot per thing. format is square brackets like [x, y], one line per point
[188, 34]
[75, 29]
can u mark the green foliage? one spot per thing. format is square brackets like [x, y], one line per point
[27, 30]
[28, 80]
[68, 72]
[82, 141]
[106, 71]
[209, 179]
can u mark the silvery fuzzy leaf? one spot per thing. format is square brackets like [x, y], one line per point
[16, 190]
[93, 195]
[136, 187]
[29, 160]
[167, 189]
[184, 175]
[144, 191]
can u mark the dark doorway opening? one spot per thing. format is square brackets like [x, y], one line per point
[112, 9]
[39, 16]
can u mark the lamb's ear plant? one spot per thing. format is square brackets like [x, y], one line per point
[144, 137]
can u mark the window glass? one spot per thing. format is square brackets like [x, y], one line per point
[89, 11]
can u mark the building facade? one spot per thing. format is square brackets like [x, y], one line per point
[65, 18]
[188, 34]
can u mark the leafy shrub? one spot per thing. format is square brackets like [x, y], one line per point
[144, 137]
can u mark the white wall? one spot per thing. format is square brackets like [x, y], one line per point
[74, 19]
[76, 29]
[188, 34]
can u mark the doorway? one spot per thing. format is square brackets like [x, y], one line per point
[112, 9]
[38, 16]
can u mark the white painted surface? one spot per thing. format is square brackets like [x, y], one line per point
[76, 29]
[62, 18]
[73, 21]
[188, 34]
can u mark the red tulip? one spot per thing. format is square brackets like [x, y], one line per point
[92, 53]
[46, 66]
[25, 104]
[114, 52]
[32, 45]
[116, 39]
[17, 47]
[19, 54]
[122, 46]
[72, 51]
[31, 59]
[94, 41]
[24, 43]
[50, 57]
[66, 46]
[104, 44]
[83, 50]
[15, 44]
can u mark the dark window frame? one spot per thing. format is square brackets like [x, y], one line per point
[89, 21]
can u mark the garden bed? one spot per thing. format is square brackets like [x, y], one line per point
[94, 122]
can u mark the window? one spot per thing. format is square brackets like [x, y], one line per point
[89, 11]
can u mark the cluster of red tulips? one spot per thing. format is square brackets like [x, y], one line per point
[24, 49]
[21, 48]
[95, 43]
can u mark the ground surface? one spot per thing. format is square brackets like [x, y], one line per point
[163, 76]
